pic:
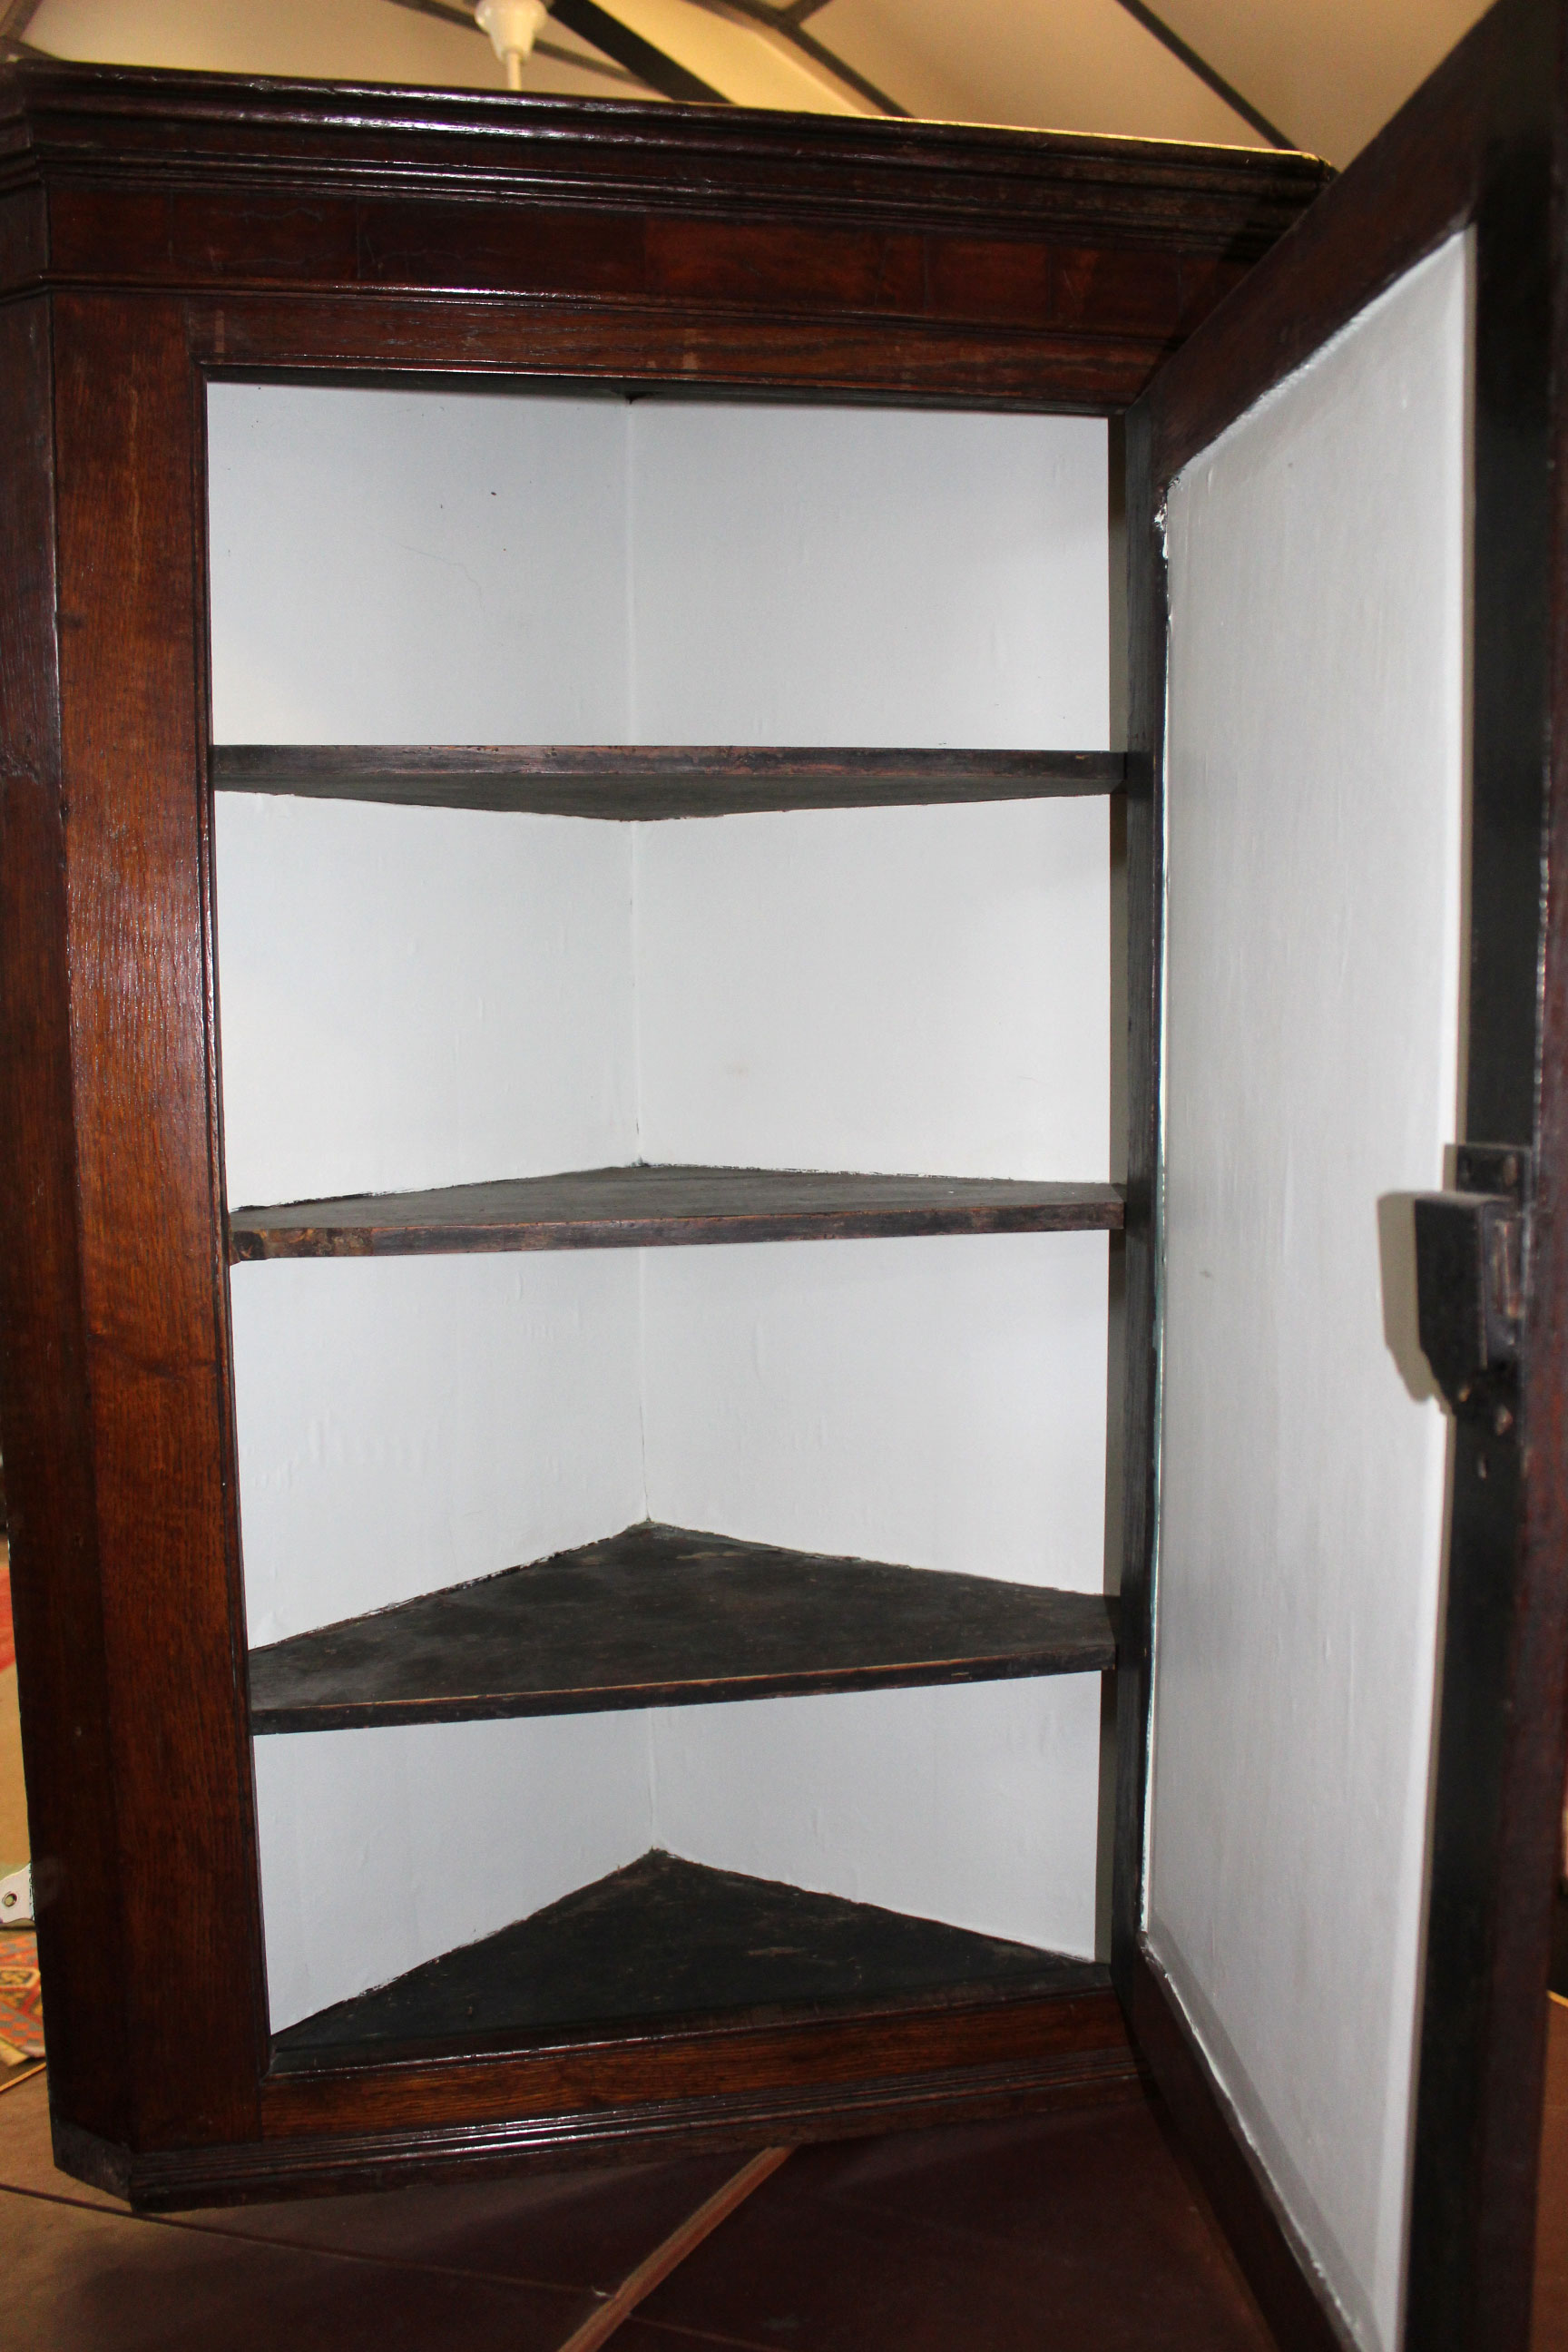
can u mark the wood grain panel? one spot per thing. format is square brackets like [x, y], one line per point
[55, 1561]
[126, 435]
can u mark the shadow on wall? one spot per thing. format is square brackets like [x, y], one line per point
[1396, 1251]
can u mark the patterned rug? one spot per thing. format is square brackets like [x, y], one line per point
[21, 2008]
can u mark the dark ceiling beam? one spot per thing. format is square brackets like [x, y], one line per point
[16, 18]
[787, 23]
[1209, 75]
[636, 58]
[591, 23]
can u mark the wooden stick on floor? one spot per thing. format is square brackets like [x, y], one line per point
[600, 2325]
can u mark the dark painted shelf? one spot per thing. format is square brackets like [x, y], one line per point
[662, 1617]
[639, 1208]
[666, 1938]
[655, 779]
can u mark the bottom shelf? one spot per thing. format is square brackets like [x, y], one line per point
[665, 1938]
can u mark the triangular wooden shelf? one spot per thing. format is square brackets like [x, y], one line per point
[642, 1207]
[663, 1616]
[665, 1938]
[650, 781]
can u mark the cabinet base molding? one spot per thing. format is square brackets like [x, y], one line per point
[321, 2164]
[1291, 2289]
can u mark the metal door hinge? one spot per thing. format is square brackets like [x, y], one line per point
[1471, 1252]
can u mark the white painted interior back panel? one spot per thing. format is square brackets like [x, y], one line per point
[1317, 727]
[916, 990]
[940, 1401]
[410, 1423]
[494, 568]
[865, 575]
[411, 567]
[415, 996]
[975, 1804]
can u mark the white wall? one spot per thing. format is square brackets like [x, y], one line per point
[412, 997]
[1316, 766]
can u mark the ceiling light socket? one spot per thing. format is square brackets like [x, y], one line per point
[513, 27]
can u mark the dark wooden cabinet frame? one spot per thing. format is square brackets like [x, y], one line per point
[159, 231]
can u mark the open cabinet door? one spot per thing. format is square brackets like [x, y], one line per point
[1344, 1643]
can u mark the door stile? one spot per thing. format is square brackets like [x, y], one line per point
[149, 1195]
[1498, 1759]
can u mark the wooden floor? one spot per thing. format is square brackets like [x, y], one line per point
[1077, 2233]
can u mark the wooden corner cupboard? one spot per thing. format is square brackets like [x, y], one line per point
[704, 817]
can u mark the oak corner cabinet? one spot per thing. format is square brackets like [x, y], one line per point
[780, 1114]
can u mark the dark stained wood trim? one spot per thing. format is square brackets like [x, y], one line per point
[1146, 616]
[154, 1380]
[86, 125]
[643, 1207]
[1499, 1748]
[1416, 184]
[328, 2163]
[661, 1616]
[51, 1504]
[652, 781]
[1294, 2297]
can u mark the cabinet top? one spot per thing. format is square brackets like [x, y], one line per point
[113, 121]
[203, 184]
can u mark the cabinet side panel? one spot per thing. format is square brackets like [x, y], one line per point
[133, 691]
[1316, 776]
[43, 1341]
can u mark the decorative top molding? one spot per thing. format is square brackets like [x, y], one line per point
[118, 126]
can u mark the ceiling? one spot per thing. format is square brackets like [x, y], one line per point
[1318, 74]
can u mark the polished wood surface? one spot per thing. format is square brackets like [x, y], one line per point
[670, 1938]
[654, 781]
[808, 249]
[661, 1616]
[643, 1207]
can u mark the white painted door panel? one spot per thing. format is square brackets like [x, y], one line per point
[1315, 818]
